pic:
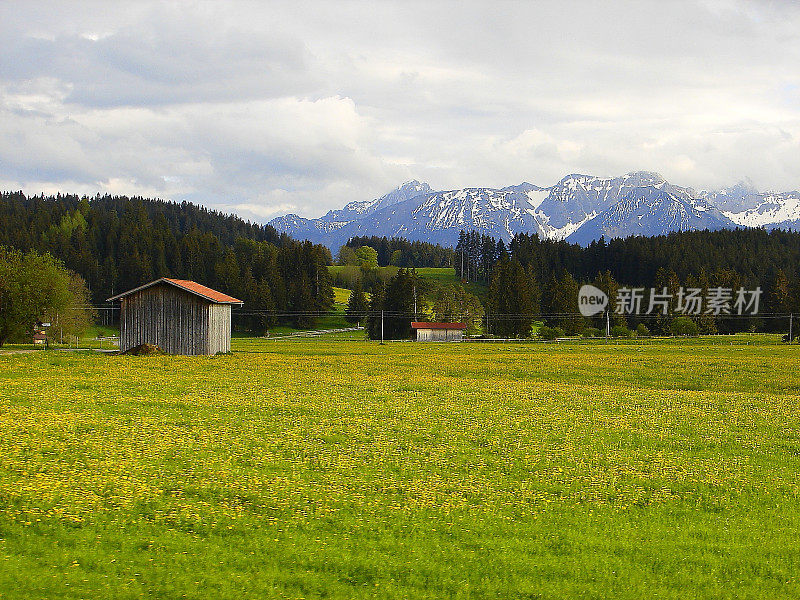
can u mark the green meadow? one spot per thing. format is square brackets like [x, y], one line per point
[348, 469]
[441, 275]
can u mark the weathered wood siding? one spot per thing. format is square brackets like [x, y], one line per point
[219, 328]
[174, 320]
[440, 335]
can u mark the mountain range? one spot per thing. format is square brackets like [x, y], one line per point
[579, 209]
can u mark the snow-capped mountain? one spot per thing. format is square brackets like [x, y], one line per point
[438, 217]
[578, 199]
[358, 208]
[650, 211]
[747, 207]
[579, 208]
[741, 197]
[317, 230]
[772, 211]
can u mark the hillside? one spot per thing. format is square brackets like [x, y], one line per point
[118, 243]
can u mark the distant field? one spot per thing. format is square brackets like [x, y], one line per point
[444, 275]
[448, 275]
[341, 296]
[310, 469]
[440, 274]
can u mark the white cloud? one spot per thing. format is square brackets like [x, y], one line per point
[269, 108]
[261, 211]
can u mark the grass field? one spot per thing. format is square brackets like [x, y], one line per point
[448, 275]
[341, 297]
[443, 275]
[313, 469]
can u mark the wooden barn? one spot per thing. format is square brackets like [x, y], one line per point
[439, 332]
[178, 316]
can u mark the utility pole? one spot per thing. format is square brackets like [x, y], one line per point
[791, 318]
[608, 324]
[381, 326]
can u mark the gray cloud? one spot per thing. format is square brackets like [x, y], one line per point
[266, 108]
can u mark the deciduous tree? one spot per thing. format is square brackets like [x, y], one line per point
[34, 286]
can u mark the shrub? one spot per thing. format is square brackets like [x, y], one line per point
[620, 331]
[591, 332]
[36, 287]
[684, 326]
[550, 333]
[642, 330]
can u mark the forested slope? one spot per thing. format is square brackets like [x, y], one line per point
[116, 243]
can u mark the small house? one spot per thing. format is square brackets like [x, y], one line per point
[439, 332]
[40, 338]
[178, 316]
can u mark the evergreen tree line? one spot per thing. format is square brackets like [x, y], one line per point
[476, 255]
[661, 307]
[401, 252]
[394, 305]
[407, 297]
[755, 255]
[116, 243]
[541, 279]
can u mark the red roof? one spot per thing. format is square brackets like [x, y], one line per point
[206, 292]
[424, 325]
[190, 286]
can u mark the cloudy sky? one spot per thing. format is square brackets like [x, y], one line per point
[269, 108]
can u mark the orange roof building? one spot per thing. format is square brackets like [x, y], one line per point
[177, 315]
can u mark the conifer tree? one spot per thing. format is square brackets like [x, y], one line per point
[376, 308]
[357, 305]
[563, 293]
[512, 300]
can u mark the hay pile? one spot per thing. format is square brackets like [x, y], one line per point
[144, 350]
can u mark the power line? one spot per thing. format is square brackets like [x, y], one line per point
[495, 316]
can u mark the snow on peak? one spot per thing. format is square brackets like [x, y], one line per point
[536, 197]
[771, 210]
[579, 207]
